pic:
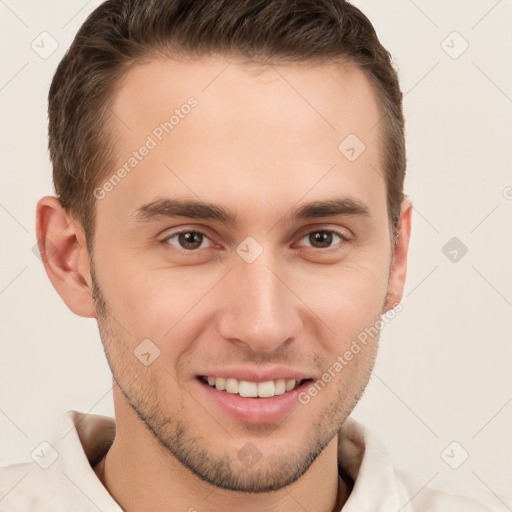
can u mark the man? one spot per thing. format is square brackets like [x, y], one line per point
[230, 209]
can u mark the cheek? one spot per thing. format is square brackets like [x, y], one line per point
[347, 299]
[165, 305]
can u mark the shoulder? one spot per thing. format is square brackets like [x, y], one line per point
[60, 476]
[25, 486]
[380, 485]
[442, 495]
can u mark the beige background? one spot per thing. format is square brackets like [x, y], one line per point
[443, 372]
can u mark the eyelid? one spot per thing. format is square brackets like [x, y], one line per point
[344, 235]
[342, 231]
[345, 238]
[180, 231]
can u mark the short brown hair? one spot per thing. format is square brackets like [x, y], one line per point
[122, 33]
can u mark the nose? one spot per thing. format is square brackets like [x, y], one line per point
[258, 309]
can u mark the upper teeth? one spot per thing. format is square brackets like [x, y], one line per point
[252, 389]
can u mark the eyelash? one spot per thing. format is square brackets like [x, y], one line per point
[340, 235]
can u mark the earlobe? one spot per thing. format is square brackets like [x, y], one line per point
[64, 254]
[399, 269]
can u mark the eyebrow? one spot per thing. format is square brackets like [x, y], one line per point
[174, 207]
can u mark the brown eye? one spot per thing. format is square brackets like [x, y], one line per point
[323, 239]
[188, 240]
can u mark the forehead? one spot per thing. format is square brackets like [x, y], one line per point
[330, 97]
[254, 132]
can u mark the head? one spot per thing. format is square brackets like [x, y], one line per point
[282, 122]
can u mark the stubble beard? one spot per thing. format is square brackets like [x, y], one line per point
[270, 473]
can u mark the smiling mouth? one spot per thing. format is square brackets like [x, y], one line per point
[248, 389]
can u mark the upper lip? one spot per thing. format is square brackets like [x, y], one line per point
[252, 374]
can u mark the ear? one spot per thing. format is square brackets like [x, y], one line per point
[399, 268]
[64, 254]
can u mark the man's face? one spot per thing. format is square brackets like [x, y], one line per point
[260, 143]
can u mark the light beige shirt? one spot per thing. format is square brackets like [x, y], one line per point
[61, 477]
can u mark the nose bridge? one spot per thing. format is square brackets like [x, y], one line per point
[260, 310]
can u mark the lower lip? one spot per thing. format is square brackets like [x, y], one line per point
[255, 410]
